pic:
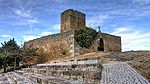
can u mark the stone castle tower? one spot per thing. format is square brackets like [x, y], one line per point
[71, 20]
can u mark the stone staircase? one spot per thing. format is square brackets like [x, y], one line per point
[68, 72]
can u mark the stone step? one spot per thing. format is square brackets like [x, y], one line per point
[69, 63]
[14, 78]
[42, 79]
[65, 77]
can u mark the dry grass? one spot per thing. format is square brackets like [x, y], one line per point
[142, 65]
[93, 55]
[140, 60]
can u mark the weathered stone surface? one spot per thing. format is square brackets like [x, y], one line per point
[55, 46]
[111, 44]
[22, 77]
[92, 75]
[71, 20]
[81, 71]
[14, 78]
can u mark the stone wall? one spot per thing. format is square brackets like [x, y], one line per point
[83, 72]
[63, 45]
[71, 20]
[111, 44]
[55, 46]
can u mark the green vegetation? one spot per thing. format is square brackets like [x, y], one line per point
[9, 51]
[11, 54]
[28, 53]
[85, 36]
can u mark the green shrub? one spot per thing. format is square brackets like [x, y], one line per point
[85, 36]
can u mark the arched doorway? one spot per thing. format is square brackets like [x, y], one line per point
[101, 45]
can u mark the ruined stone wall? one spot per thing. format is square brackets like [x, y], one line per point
[111, 44]
[63, 44]
[55, 46]
[72, 19]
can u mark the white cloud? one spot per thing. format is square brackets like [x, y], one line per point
[25, 16]
[22, 12]
[29, 37]
[56, 26]
[133, 39]
[141, 2]
[122, 30]
[58, 1]
[96, 21]
[5, 36]
[46, 33]
[32, 21]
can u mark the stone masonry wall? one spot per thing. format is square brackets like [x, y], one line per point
[111, 44]
[55, 46]
[63, 44]
[71, 20]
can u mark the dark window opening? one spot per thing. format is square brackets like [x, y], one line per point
[101, 45]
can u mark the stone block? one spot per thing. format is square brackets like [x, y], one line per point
[92, 75]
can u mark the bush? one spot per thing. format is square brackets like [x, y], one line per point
[85, 36]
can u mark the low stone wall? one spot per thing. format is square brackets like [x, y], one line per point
[88, 71]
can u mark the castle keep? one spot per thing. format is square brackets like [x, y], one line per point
[63, 44]
[71, 20]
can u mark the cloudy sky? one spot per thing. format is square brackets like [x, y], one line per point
[28, 19]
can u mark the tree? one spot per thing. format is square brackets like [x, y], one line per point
[0, 58]
[85, 36]
[9, 53]
[5, 59]
[11, 47]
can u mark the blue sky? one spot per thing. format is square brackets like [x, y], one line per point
[29, 19]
